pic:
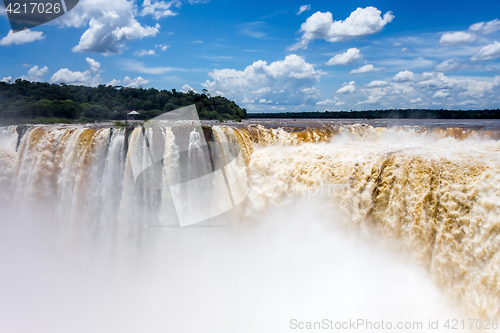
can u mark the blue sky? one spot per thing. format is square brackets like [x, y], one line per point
[272, 56]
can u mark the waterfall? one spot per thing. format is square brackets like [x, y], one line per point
[432, 192]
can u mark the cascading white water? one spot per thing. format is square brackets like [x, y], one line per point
[171, 170]
[8, 142]
[434, 197]
[112, 181]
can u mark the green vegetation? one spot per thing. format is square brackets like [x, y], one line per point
[385, 114]
[119, 123]
[40, 102]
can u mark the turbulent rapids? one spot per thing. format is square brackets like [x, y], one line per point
[434, 193]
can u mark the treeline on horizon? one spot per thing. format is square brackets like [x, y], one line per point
[41, 102]
[386, 114]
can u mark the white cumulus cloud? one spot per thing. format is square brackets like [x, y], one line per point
[361, 22]
[157, 9]
[128, 82]
[90, 77]
[162, 47]
[351, 55]
[366, 69]
[488, 52]
[21, 37]
[135, 83]
[187, 88]
[111, 24]
[449, 65]
[95, 66]
[441, 94]
[331, 102]
[404, 76]
[303, 8]
[467, 102]
[36, 74]
[377, 84]
[142, 53]
[373, 98]
[486, 27]
[426, 89]
[288, 81]
[456, 38]
[347, 88]
[114, 83]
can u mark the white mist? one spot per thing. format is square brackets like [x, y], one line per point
[256, 276]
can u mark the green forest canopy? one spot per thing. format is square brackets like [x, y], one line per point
[39, 100]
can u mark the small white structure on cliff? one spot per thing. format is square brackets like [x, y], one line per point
[131, 115]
